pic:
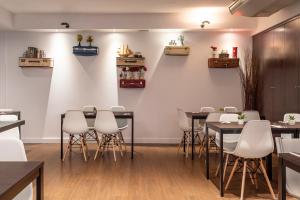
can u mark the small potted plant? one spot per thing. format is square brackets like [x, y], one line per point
[292, 120]
[214, 51]
[90, 40]
[241, 119]
[79, 39]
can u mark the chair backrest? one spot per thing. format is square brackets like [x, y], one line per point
[251, 115]
[296, 115]
[89, 108]
[256, 140]
[229, 117]
[183, 120]
[212, 117]
[12, 149]
[75, 122]
[121, 122]
[14, 132]
[292, 177]
[207, 109]
[230, 109]
[106, 122]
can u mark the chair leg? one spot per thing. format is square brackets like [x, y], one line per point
[243, 180]
[218, 169]
[232, 172]
[202, 146]
[267, 178]
[255, 174]
[225, 166]
[187, 146]
[69, 147]
[181, 143]
[83, 147]
[113, 147]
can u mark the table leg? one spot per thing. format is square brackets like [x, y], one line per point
[40, 184]
[207, 152]
[281, 180]
[221, 165]
[193, 138]
[19, 118]
[184, 135]
[132, 136]
[269, 166]
[61, 138]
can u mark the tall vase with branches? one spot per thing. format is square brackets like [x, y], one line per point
[249, 75]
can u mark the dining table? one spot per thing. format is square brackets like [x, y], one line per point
[234, 127]
[92, 115]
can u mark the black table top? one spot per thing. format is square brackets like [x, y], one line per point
[118, 114]
[6, 125]
[13, 174]
[234, 126]
[291, 160]
[10, 112]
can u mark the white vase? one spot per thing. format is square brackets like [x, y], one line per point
[240, 121]
[292, 122]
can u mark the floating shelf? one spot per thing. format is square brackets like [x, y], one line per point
[85, 50]
[36, 62]
[130, 61]
[132, 83]
[177, 50]
[223, 62]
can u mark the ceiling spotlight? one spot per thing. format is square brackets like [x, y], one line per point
[66, 24]
[204, 23]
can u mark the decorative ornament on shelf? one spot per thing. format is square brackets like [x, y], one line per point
[79, 39]
[172, 43]
[214, 51]
[124, 51]
[224, 54]
[90, 39]
[181, 39]
[234, 52]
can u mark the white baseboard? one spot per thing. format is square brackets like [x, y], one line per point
[128, 140]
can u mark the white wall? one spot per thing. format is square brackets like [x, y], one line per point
[186, 82]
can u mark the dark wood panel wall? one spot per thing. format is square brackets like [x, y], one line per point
[277, 52]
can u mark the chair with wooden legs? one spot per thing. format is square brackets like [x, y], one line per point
[229, 140]
[230, 109]
[91, 135]
[207, 109]
[107, 126]
[186, 127]
[250, 150]
[251, 115]
[75, 125]
[122, 124]
[212, 117]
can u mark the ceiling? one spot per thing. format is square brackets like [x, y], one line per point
[107, 6]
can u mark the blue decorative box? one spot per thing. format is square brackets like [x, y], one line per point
[85, 50]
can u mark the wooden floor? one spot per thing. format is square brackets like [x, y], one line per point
[156, 173]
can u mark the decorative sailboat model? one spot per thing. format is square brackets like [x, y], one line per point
[124, 51]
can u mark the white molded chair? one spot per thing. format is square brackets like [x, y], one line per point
[186, 127]
[292, 177]
[12, 149]
[212, 117]
[251, 115]
[249, 149]
[14, 132]
[122, 123]
[230, 109]
[76, 126]
[207, 109]
[229, 140]
[107, 126]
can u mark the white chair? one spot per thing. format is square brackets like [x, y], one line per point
[207, 109]
[249, 149]
[107, 126]
[251, 115]
[186, 127]
[212, 117]
[230, 109]
[122, 124]
[12, 149]
[229, 140]
[292, 177]
[14, 132]
[91, 135]
[76, 126]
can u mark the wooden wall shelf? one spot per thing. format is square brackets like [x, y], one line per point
[36, 62]
[177, 50]
[132, 83]
[130, 61]
[85, 50]
[223, 62]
